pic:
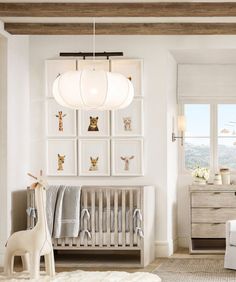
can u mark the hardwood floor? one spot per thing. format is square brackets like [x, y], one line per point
[181, 253]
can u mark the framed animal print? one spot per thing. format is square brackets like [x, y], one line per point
[94, 157]
[61, 157]
[61, 121]
[127, 157]
[94, 123]
[128, 121]
[132, 69]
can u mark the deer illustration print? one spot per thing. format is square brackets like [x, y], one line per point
[60, 117]
[60, 162]
[127, 161]
[127, 123]
[94, 164]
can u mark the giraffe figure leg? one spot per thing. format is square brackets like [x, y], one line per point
[49, 264]
[26, 261]
[8, 263]
[34, 265]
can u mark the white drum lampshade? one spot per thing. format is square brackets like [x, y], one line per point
[90, 89]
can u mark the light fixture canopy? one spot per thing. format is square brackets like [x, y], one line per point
[93, 89]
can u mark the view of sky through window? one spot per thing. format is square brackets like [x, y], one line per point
[197, 135]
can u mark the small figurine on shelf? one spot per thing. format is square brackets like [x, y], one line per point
[200, 175]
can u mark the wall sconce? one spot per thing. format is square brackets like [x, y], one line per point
[181, 123]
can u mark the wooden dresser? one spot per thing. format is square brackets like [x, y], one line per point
[210, 207]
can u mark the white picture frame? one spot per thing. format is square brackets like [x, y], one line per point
[53, 68]
[127, 157]
[66, 150]
[94, 158]
[60, 121]
[128, 121]
[91, 64]
[94, 123]
[132, 69]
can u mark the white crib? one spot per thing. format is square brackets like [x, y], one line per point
[113, 218]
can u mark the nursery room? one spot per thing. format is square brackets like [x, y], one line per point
[118, 140]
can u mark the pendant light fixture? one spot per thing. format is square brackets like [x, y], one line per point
[93, 89]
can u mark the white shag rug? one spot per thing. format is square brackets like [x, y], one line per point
[87, 276]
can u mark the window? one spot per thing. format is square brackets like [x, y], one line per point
[210, 137]
[227, 135]
[197, 135]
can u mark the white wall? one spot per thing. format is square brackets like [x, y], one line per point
[14, 128]
[159, 106]
[156, 86]
[172, 155]
[3, 142]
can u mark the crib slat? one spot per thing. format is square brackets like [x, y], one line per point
[123, 217]
[115, 218]
[108, 227]
[100, 219]
[93, 217]
[28, 205]
[33, 206]
[85, 219]
[131, 228]
[135, 198]
[139, 207]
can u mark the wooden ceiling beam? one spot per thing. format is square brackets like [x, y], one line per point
[145, 9]
[122, 28]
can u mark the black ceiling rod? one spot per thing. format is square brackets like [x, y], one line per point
[90, 54]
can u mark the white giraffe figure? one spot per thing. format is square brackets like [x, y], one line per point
[31, 244]
[126, 160]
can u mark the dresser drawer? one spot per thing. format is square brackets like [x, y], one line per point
[213, 199]
[213, 215]
[204, 230]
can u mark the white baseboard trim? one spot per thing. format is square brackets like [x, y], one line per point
[183, 242]
[165, 248]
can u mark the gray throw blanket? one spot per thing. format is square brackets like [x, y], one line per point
[67, 212]
[52, 191]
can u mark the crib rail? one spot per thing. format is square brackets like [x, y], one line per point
[112, 218]
[109, 220]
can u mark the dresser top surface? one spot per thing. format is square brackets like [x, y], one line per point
[212, 187]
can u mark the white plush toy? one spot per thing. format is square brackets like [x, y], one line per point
[31, 244]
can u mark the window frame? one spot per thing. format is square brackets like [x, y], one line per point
[214, 165]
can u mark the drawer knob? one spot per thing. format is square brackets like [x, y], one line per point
[216, 208]
[216, 193]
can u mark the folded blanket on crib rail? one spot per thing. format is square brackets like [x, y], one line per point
[66, 219]
[51, 205]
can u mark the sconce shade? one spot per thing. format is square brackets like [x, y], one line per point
[181, 123]
[90, 89]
